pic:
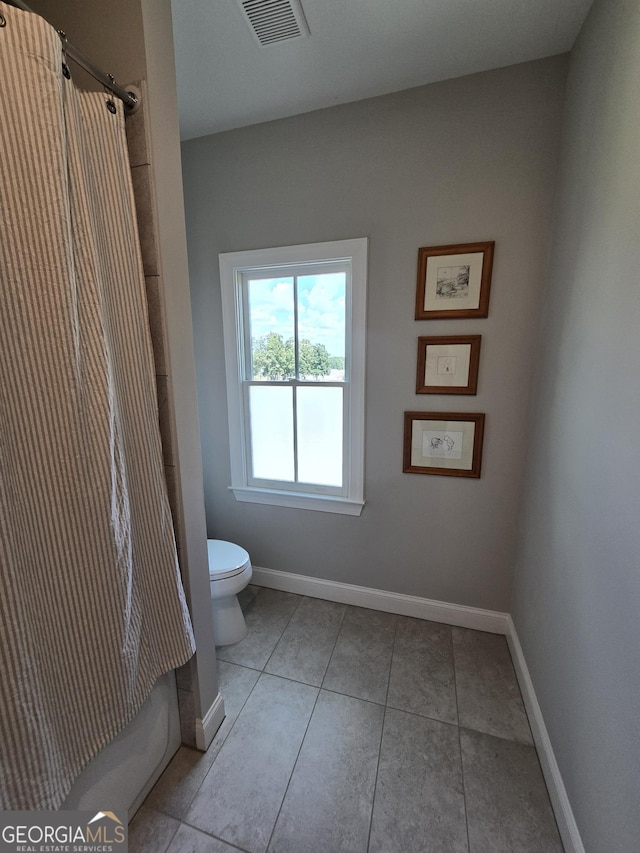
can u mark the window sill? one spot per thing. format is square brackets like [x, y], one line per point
[296, 500]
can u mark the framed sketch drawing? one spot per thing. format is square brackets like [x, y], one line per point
[448, 364]
[454, 281]
[445, 443]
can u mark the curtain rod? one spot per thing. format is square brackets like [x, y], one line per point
[131, 101]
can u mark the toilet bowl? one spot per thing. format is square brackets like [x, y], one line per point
[229, 572]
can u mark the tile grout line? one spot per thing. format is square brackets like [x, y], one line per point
[335, 643]
[293, 612]
[273, 650]
[224, 740]
[393, 651]
[384, 719]
[261, 673]
[295, 763]
[240, 665]
[300, 679]
[172, 838]
[318, 688]
[375, 784]
[216, 837]
[464, 791]
[157, 811]
[293, 769]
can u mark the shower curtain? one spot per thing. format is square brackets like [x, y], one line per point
[92, 609]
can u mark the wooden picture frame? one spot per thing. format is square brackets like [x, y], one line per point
[443, 443]
[448, 364]
[454, 281]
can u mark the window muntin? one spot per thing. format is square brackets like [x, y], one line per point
[294, 346]
[294, 337]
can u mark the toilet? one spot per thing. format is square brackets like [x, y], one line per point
[229, 572]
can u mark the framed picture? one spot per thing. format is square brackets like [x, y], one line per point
[446, 443]
[454, 281]
[448, 364]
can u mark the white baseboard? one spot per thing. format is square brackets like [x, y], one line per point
[557, 792]
[209, 724]
[377, 599]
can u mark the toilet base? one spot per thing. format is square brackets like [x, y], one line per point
[229, 626]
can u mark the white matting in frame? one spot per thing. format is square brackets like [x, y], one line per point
[454, 281]
[448, 364]
[446, 443]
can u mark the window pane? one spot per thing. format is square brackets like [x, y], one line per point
[321, 326]
[271, 413]
[271, 328]
[319, 413]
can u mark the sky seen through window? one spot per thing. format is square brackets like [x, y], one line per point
[321, 309]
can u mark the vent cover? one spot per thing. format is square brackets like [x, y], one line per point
[274, 20]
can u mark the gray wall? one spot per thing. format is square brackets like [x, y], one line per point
[577, 592]
[466, 160]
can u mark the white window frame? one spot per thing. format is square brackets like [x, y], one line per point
[232, 267]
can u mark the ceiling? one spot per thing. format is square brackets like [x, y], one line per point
[356, 49]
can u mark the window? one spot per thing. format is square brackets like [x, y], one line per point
[294, 331]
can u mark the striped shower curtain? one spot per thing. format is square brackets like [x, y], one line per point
[92, 609]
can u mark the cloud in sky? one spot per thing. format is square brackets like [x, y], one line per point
[321, 309]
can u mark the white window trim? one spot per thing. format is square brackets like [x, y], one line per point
[232, 265]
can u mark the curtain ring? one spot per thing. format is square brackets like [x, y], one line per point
[109, 102]
[3, 20]
[65, 67]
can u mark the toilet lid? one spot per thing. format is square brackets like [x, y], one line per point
[225, 559]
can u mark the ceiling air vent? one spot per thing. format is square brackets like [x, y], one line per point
[274, 20]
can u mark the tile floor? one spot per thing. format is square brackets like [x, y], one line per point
[349, 730]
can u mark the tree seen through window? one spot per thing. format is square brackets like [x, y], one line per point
[275, 359]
